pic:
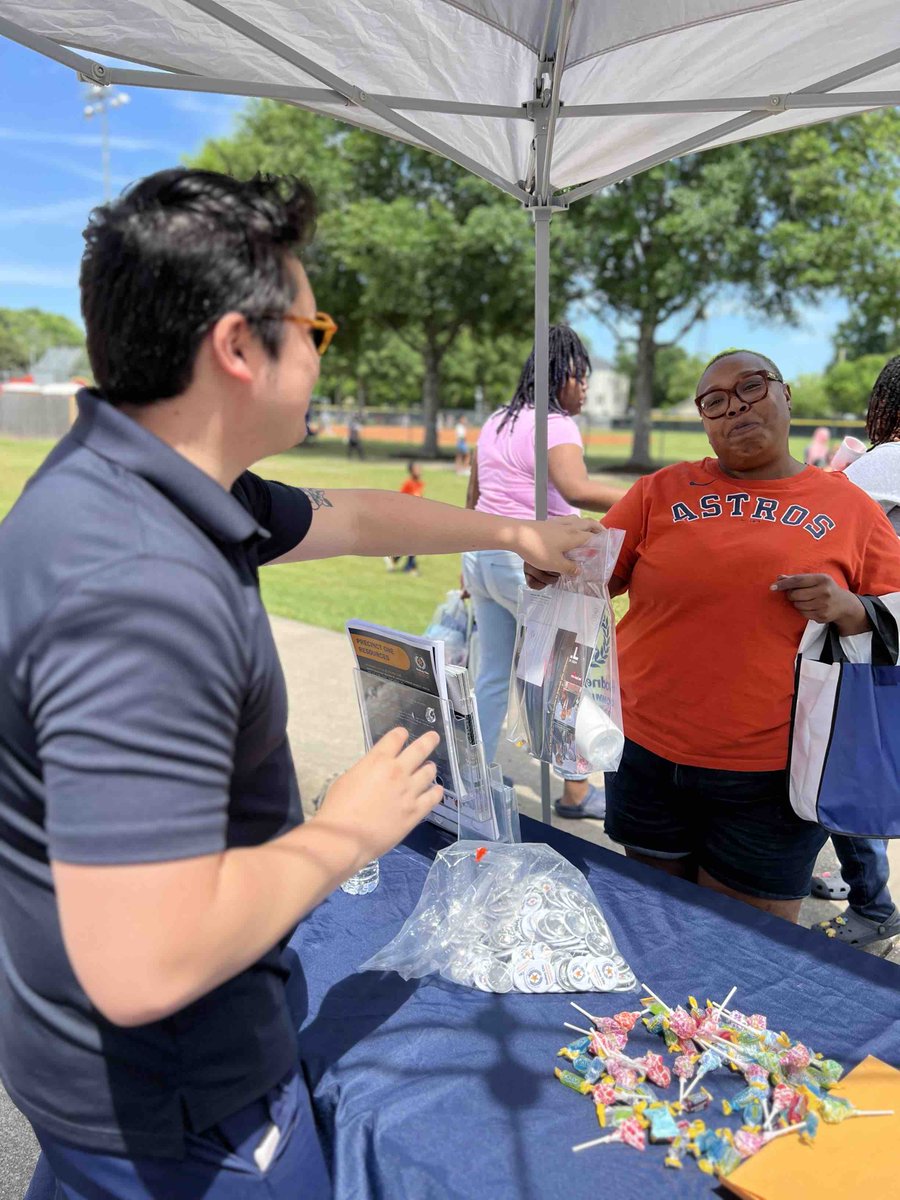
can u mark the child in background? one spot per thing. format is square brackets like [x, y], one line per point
[818, 450]
[413, 485]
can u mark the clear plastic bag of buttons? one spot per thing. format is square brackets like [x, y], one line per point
[504, 918]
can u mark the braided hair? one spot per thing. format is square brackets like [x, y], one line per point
[883, 417]
[568, 359]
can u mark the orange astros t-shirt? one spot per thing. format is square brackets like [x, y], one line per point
[706, 650]
[412, 487]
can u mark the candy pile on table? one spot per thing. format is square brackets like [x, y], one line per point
[786, 1085]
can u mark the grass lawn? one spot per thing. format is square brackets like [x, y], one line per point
[329, 593]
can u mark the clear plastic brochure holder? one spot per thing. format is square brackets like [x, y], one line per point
[476, 802]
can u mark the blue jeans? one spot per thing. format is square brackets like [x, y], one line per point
[493, 579]
[865, 870]
[219, 1162]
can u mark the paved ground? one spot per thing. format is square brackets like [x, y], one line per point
[326, 741]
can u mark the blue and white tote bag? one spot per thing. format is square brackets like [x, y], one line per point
[844, 764]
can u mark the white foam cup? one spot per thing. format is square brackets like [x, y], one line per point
[597, 737]
[848, 452]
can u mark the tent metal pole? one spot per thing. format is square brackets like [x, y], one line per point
[542, 216]
[94, 71]
[357, 95]
[179, 81]
[767, 104]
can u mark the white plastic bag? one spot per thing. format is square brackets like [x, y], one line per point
[452, 624]
[505, 918]
[565, 703]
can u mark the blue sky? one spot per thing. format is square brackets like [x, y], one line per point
[52, 176]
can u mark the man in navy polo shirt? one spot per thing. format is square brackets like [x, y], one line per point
[153, 855]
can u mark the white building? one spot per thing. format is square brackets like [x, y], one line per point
[607, 397]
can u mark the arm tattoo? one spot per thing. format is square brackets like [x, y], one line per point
[317, 498]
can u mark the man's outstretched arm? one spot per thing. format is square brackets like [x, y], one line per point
[376, 523]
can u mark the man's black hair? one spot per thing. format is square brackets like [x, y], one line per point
[568, 358]
[883, 417]
[171, 256]
[409, 466]
[756, 354]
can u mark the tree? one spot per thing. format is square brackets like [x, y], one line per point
[776, 220]
[489, 365]
[675, 372]
[659, 246]
[836, 187]
[26, 333]
[848, 384]
[809, 397]
[13, 350]
[407, 243]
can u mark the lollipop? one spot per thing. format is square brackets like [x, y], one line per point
[656, 1070]
[709, 1060]
[682, 1024]
[631, 1132]
[747, 1142]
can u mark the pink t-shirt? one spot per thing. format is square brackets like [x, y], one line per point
[505, 459]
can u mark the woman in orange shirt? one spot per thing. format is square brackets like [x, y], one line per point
[725, 560]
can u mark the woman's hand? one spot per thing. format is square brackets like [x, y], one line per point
[820, 599]
[545, 544]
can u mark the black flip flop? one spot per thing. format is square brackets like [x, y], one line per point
[832, 888]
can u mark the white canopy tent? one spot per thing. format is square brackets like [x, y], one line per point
[549, 100]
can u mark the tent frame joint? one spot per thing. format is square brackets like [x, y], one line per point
[98, 75]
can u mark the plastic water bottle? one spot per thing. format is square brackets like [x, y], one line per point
[364, 881]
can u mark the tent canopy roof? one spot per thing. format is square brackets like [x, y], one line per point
[466, 78]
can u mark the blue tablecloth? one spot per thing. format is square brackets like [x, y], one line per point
[430, 1091]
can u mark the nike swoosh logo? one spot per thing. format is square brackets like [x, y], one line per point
[693, 483]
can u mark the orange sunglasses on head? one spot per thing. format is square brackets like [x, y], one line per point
[321, 326]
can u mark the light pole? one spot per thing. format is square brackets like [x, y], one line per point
[102, 99]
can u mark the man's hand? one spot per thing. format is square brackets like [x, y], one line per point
[147, 939]
[385, 795]
[544, 544]
[820, 599]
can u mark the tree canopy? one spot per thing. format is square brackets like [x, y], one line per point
[428, 270]
[26, 333]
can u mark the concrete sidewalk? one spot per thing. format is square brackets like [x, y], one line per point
[326, 738]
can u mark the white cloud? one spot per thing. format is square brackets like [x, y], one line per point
[13, 274]
[93, 174]
[116, 141]
[59, 212]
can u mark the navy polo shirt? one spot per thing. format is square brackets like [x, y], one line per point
[142, 718]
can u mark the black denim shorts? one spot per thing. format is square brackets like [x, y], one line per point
[737, 825]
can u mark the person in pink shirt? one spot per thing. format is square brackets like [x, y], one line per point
[502, 482]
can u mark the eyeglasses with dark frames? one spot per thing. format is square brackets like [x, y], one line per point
[749, 389]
